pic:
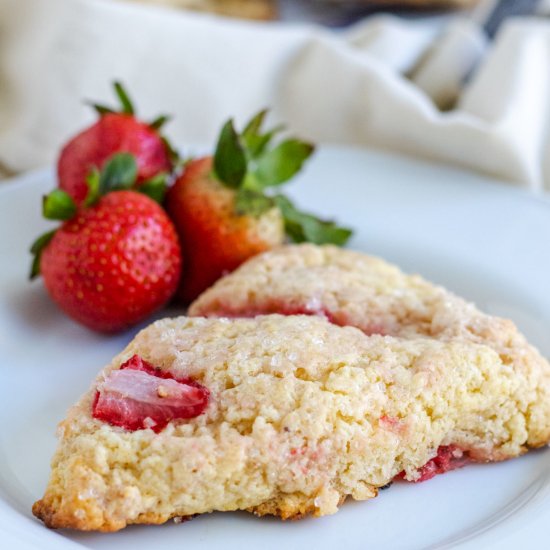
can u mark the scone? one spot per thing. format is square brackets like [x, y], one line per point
[283, 415]
[351, 288]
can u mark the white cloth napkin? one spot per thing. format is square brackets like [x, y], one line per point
[345, 88]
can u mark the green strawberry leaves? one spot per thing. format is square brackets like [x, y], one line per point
[302, 227]
[126, 106]
[160, 121]
[155, 188]
[36, 250]
[249, 164]
[254, 141]
[252, 203]
[230, 163]
[58, 205]
[119, 172]
[247, 160]
[282, 162]
[175, 159]
[124, 98]
[93, 181]
[252, 129]
[102, 109]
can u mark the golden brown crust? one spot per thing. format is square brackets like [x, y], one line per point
[56, 517]
[286, 507]
[64, 518]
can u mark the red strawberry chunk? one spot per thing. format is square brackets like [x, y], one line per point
[449, 457]
[222, 309]
[139, 396]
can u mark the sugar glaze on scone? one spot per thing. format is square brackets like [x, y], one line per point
[351, 288]
[302, 414]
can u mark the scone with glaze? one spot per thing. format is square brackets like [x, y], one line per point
[351, 288]
[283, 415]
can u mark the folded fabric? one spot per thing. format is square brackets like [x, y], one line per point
[346, 88]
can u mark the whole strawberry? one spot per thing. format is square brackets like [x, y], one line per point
[114, 132]
[113, 261]
[215, 238]
[225, 210]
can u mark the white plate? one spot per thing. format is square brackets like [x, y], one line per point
[483, 240]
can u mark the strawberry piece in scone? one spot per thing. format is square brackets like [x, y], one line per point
[301, 415]
[448, 458]
[139, 396]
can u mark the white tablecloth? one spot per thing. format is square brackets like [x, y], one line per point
[330, 87]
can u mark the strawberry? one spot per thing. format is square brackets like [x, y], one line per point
[139, 396]
[225, 210]
[216, 240]
[115, 259]
[114, 132]
[449, 457]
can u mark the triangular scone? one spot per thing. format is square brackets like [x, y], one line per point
[352, 289]
[301, 414]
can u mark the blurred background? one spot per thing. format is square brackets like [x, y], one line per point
[464, 82]
[337, 13]
[331, 12]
